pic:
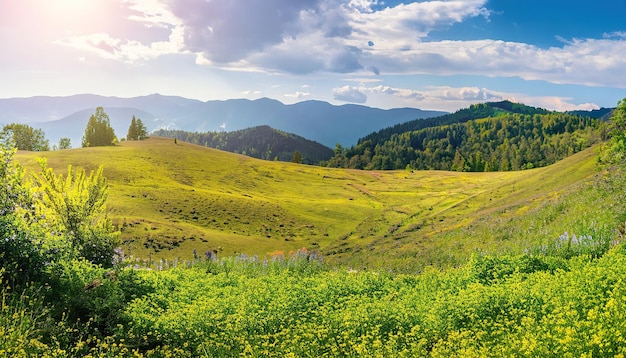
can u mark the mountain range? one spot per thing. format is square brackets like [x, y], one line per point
[315, 120]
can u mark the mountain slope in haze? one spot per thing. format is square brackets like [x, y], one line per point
[261, 142]
[315, 120]
[498, 136]
[602, 113]
[171, 198]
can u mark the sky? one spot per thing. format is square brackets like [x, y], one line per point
[429, 54]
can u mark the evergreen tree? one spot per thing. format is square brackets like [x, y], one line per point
[99, 131]
[142, 131]
[297, 157]
[137, 130]
[132, 130]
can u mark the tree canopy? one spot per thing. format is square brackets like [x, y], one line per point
[617, 146]
[26, 137]
[65, 143]
[481, 138]
[99, 131]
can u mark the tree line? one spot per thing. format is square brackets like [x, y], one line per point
[466, 141]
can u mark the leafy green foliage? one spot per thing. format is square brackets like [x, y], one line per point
[75, 207]
[498, 306]
[508, 137]
[261, 142]
[617, 146]
[27, 138]
[64, 143]
[20, 256]
[99, 131]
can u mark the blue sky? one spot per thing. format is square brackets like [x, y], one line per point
[429, 54]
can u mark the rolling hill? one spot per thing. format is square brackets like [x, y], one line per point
[261, 142]
[170, 199]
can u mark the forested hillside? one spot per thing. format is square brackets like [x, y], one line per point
[261, 142]
[498, 136]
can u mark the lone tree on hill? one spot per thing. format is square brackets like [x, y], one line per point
[65, 143]
[297, 157]
[137, 130]
[99, 131]
[26, 137]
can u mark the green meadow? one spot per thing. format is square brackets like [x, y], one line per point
[169, 199]
[318, 262]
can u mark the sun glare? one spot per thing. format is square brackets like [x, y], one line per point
[75, 15]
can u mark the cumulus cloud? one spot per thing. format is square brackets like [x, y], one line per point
[311, 35]
[338, 36]
[404, 93]
[465, 94]
[227, 31]
[452, 98]
[349, 94]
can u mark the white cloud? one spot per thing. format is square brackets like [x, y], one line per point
[349, 94]
[452, 98]
[250, 93]
[143, 46]
[465, 94]
[297, 95]
[406, 94]
[359, 37]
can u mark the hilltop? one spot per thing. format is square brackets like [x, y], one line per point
[261, 142]
[169, 199]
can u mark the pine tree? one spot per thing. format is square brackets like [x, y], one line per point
[99, 131]
[137, 130]
[297, 157]
[142, 131]
[132, 130]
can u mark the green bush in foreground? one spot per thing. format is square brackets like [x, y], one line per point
[520, 306]
[524, 305]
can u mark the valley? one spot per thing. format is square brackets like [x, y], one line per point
[170, 199]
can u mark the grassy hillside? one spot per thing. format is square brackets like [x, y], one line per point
[169, 199]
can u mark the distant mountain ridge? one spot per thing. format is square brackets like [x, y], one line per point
[315, 120]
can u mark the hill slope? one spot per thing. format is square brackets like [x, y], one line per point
[170, 199]
[261, 142]
[496, 136]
